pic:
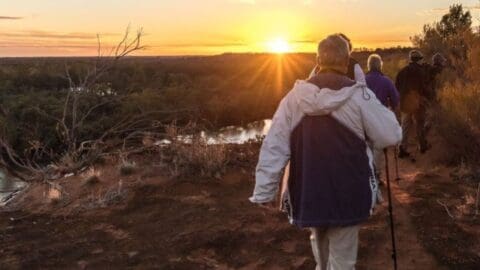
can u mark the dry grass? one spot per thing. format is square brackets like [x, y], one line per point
[91, 180]
[92, 177]
[127, 168]
[113, 195]
[458, 121]
[195, 156]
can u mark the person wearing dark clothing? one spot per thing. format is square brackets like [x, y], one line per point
[412, 84]
[433, 71]
[354, 71]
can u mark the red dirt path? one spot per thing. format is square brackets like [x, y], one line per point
[209, 224]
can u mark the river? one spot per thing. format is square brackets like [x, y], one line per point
[230, 135]
[9, 186]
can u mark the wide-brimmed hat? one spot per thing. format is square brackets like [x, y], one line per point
[415, 56]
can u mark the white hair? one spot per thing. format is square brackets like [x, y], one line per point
[375, 62]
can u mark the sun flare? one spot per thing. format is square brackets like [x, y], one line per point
[279, 46]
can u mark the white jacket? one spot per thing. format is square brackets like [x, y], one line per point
[358, 72]
[356, 107]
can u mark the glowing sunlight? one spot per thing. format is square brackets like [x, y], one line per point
[279, 46]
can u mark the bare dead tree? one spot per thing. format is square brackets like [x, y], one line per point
[102, 65]
[77, 153]
[80, 153]
[16, 165]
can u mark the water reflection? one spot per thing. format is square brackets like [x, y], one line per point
[230, 135]
[9, 187]
[239, 135]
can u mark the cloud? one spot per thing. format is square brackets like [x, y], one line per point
[253, 2]
[54, 35]
[250, 2]
[41, 42]
[194, 45]
[441, 11]
[48, 42]
[475, 7]
[10, 18]
[305, 41]
[41, 45]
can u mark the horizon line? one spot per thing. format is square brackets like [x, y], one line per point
[357, 50]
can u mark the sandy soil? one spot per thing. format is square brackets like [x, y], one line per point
[146, 221]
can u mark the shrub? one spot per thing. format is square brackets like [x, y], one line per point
[91, 180]
[111, 196]
[92, 177]
[459, 121]
[127, 168]
[451, 37]
[458, 113]
[192, 155]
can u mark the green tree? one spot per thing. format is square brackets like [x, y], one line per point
[450, 36]
[455, 22]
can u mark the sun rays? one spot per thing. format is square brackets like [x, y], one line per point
[279, 46]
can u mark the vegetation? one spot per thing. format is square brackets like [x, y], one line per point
[59, 115]
[457, 116]
[194, 158]
[66, 120]
[47, 130]
[452, 36]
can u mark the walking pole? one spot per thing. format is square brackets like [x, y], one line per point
[396, 148]
[390, 211]
[396, 165]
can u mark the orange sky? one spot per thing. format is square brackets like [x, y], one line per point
[55, 27]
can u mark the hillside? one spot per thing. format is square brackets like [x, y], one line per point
[147, 219]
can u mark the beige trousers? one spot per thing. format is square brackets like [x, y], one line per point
[335, 248]
[417, 119]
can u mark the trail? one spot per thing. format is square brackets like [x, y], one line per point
[411, 254]
[193, 223]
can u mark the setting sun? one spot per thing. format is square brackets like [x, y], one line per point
[279, 45]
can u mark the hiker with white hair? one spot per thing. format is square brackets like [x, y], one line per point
[386, 93]
[321, 127]
[381, 85]
[354, 70]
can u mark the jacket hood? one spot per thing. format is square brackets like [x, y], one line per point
[313, 100]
